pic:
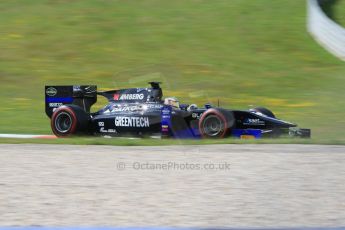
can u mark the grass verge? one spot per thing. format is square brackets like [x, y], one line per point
[245, 53]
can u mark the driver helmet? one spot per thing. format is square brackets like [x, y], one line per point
[172, 101]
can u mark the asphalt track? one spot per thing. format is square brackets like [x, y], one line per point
[183, 186]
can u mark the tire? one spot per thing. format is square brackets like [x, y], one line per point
[264, 111]
[215, 123]
[69, 120]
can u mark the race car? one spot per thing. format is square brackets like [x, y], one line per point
[143, 112]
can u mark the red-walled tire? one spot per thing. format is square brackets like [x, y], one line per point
[69, 120]
[215, 123]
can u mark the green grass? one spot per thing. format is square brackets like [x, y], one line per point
[339, 12]
[335, 9]
[242, 52]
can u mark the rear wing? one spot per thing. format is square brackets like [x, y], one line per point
[82, 95]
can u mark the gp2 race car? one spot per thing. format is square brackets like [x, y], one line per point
[141, 112]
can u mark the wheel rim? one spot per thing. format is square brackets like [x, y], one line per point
[213, 126]
[63, 122]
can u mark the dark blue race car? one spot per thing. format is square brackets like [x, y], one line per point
[142, 111]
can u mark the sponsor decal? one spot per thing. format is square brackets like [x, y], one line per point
[54, 105]
[134, 96]
[166, 120]
[76, 88]
[133, 108]
[165, 128]
[103, 130]
[116, 96]
[140, 89]
[166, 111]
[253, 121]
[154, 106]
[247, 137]
[59, 99]
[132, 122]
[51, 91]
[127, 108]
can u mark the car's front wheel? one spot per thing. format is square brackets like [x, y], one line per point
[215, 123]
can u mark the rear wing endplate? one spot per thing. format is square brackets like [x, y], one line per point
[82, 95]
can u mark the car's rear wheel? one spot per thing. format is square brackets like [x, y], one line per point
[64, 122]
[69, 120]
[215, 123]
